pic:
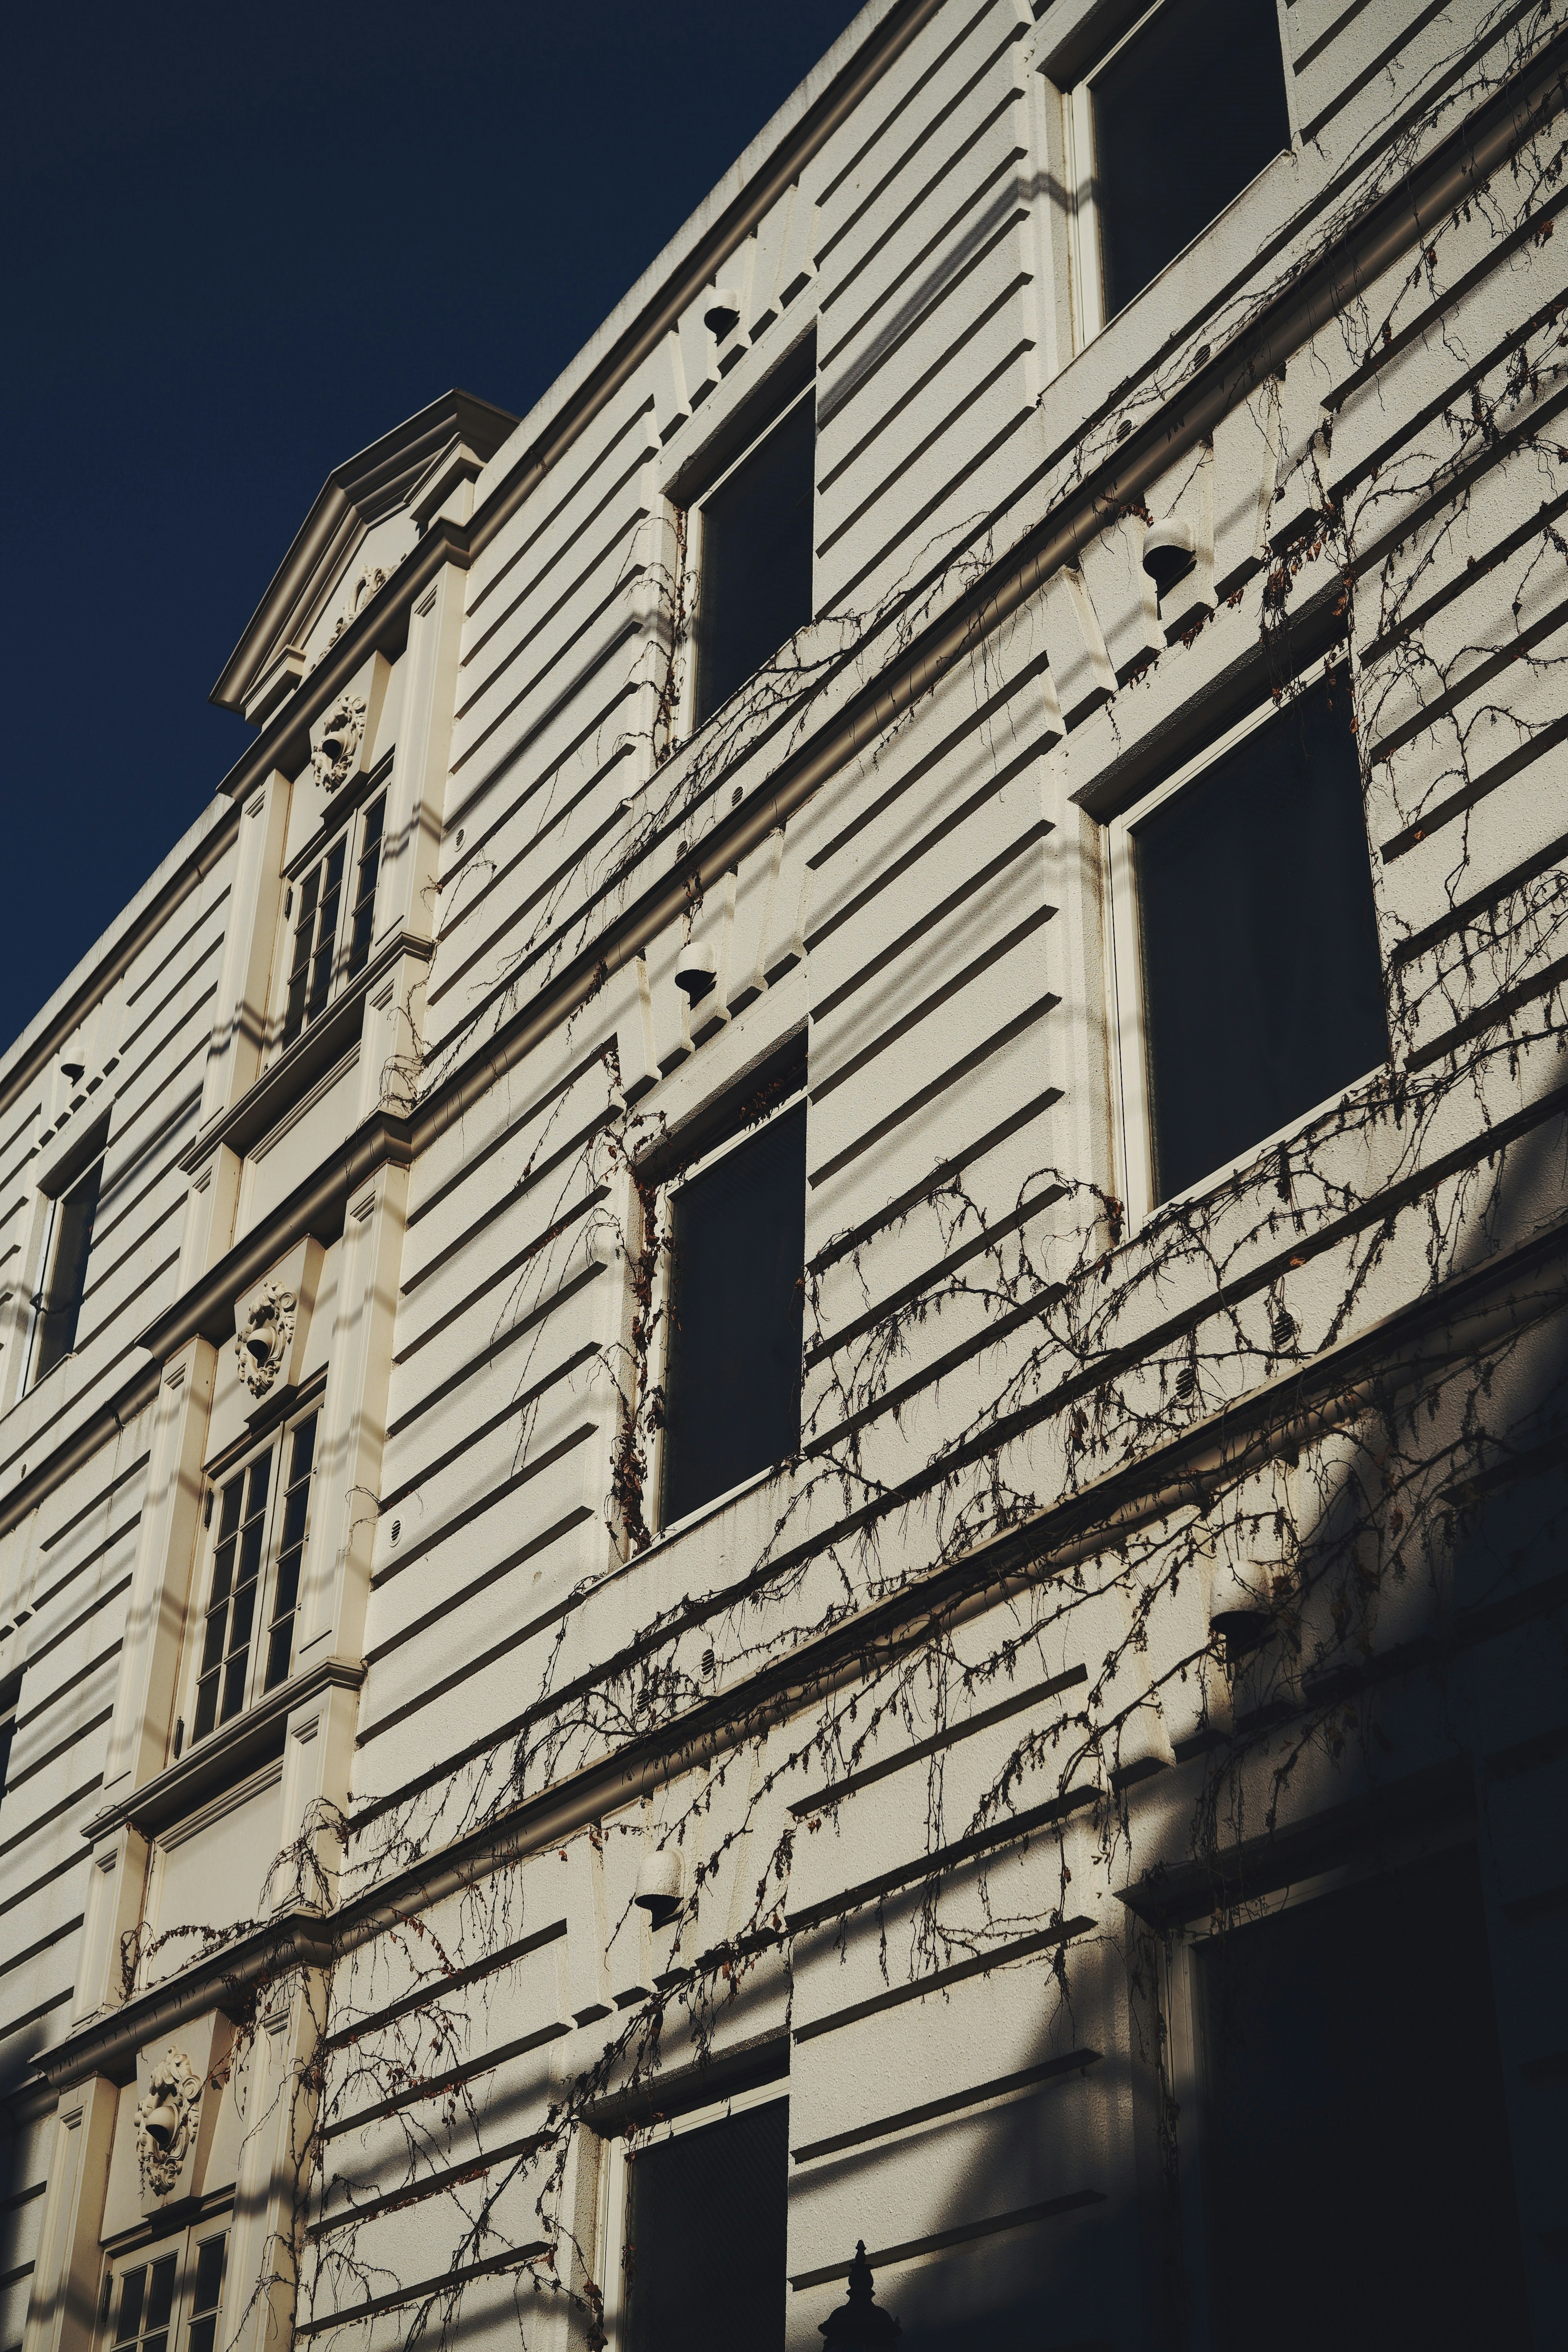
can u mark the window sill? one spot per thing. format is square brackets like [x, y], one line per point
[706, 1511]
[226, 1755]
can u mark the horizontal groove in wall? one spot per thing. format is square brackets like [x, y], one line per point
[415, 2193]
[112, 1594]
[476, 1664]
[56, 1936]
[59, 1870]
[1012, 1830]
[62, 1690]
[581, 481]
[895, 409]
[905, 459]
[43, 2009]
[471, 1162]
[934, 1276]
[1017, 1703]
[498, 1346]
[919, 82]
[488, 1501]
[88, 1559]
[1472, 683]
[1492, 1016]
[967, 889]
[344, 2037]
[445, 2284]
[41, 1821]
[14, 1780]
[1352, 89]
[438, 2085]
[964, 2235]
[646, 451]
[964, 1067]
[945, 1172]
[515, 651]
[1000, 1956]
[1480, 788]
[940, 497]
[555, 1231]
[896, 1031]
[486, 1576]
[533, 1173]
[1001, 2086]
[1464, 911]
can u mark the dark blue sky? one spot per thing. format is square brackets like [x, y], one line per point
[241, 242]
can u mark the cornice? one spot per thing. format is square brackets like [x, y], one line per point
[317, 1050]
[1473, 1311]
[381, 625]
[317, 1206]
[224, 1757]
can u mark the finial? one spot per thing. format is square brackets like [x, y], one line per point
[860, 2324]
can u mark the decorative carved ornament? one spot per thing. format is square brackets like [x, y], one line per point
[263, 1341]
[340, 739]
[165, 2120]
[366, 584]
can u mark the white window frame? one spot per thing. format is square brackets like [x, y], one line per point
[185, 2244]
[613, 2183]
[1077, 124]
[350, 828]
[691, 575]
[278, 1441]
[1133, 1128]
[663, 1275]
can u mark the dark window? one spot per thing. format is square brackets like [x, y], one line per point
[8, 1705]
[205, 2295]
[318, 919]
[705, 2236]
[65, 1277]
[146, 2304]
[755, 567]
[733, 1389]
[1185, 116]
[290, 1551]
[240, 1563]
[365, 890]
[1262, 990]
[1360, 2186]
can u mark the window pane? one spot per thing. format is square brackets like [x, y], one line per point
[1184, 117]
[732, 1394]
[326, 931]
[755, 590]
[1356, 2136]
[67, 1280]
[133, 2287]
[705, 2236]
[365, 887]
[296, 1503]
[304, 937]
[209, 2274]
[160, 2294]
[1263, 993]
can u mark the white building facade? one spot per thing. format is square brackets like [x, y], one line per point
[782, 1374]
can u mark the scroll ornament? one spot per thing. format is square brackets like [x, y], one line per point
[262, 1343]
[165, 2121]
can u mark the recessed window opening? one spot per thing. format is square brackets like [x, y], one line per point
[736, 1296]
[1181, 116]
[10, 1699]
[703, 2232]
[333, 918]
[259, 1525]
[1351, 2099]
[168, 2296]
[68, 1240]
[1248, 977]
[752, 552]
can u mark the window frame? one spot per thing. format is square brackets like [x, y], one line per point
[277, 1441]
[1133, 1128]
[348, 828]
[618, 2151]
[186, 2245]
[1176, 1945]
[660, 1302]
[691, 505]
[1086, 274]
[87, 1164]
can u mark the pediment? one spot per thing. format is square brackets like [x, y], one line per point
[370, 512]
